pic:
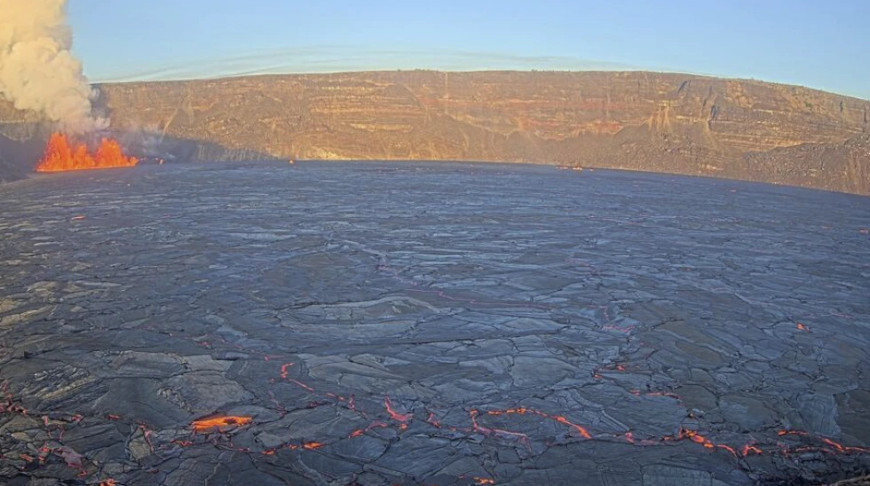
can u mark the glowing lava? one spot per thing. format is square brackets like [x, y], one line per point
[400, 417]
[558, 418]
[61, 156]
[403, 418]
[750, 449]
[220, 423]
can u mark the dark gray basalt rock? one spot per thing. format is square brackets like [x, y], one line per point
[430, 323]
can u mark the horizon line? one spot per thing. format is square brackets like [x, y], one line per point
[623, 69]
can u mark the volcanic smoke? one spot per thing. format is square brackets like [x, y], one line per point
[37, 70]
[39, 73]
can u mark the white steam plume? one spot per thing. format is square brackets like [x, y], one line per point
[37, 70]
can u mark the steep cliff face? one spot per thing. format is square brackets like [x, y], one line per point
[845, 164]
[633, 120]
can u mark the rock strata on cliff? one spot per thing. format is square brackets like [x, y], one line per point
[633, 120]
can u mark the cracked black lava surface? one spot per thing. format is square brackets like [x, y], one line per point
[430, 323]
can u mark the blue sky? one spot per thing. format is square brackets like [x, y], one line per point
[821, 44]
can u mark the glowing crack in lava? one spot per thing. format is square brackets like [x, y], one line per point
[220, 424]
[61, 156]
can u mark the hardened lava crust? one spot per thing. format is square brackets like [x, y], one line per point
[430, 323]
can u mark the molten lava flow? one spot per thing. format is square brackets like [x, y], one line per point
[399, 417]
[61, 156]
[696, 438]
[477, 428]
[220, 423]
[284, 368]
[558, 418]
[749, 448]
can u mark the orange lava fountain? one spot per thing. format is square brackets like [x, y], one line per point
[61, 156]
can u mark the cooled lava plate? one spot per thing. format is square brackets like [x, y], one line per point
[409, 323]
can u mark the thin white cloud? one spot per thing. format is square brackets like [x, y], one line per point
[324, 59]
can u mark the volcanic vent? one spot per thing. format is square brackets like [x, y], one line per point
[61, 155]
[39, 73]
